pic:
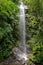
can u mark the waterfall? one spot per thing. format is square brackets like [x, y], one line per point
[20, 52]
[22, 45]
[22, 29]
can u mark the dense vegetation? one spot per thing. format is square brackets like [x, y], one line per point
[8, 22]
[9, 32]
[35, 28]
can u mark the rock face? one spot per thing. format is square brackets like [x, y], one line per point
[8, 61]
[20, 56]
[17, 58]
[11, 61]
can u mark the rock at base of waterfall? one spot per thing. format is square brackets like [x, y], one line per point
[20, 56]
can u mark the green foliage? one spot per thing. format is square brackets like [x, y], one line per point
[9, 28]
[8, 18]
[34, 29]
[36, 7]
[16, 1]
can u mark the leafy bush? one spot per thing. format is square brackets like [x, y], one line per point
[34, 29]
[8, 20]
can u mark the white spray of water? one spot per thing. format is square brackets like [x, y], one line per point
[20, 52]
[22, 45]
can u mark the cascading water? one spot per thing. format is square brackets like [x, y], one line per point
[22, 29]
[21, 51]
[22, 45]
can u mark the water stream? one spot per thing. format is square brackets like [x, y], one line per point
[22, 45]
[21, 51]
